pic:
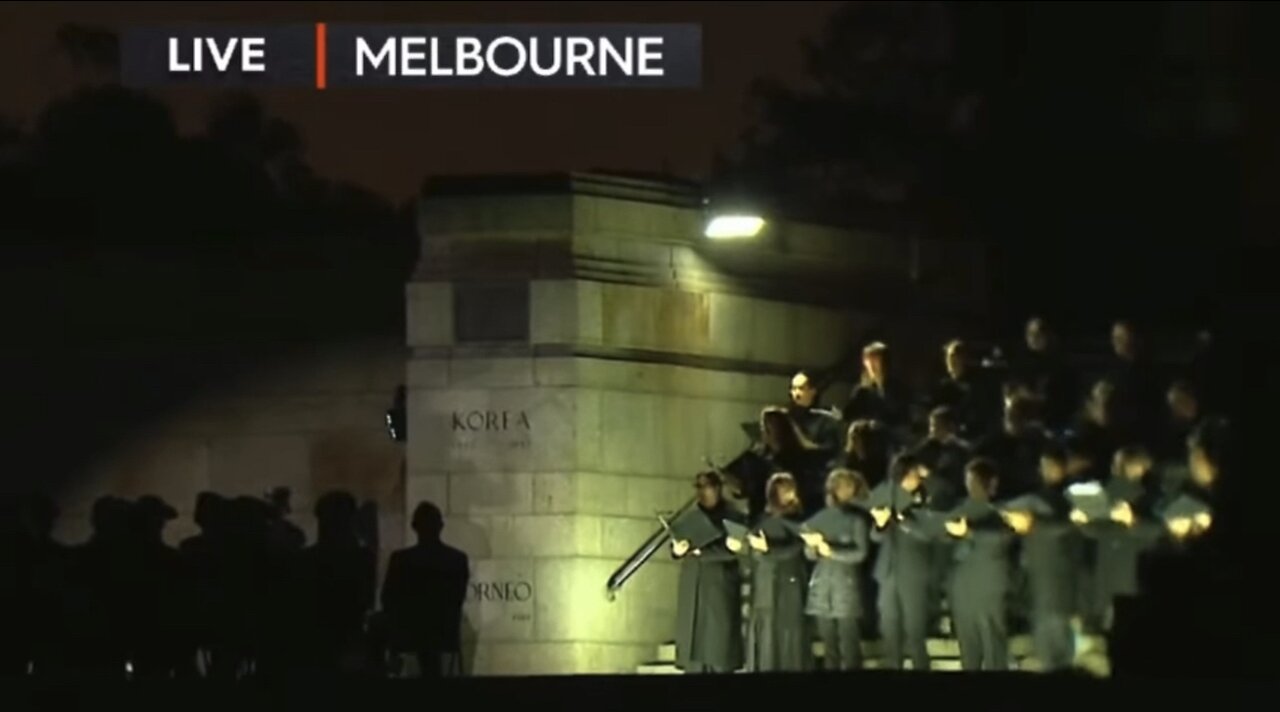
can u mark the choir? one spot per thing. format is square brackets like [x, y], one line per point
[1012, 505]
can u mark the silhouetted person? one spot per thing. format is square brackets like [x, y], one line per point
[974, 406]
[1016, 449]
[339, 572]
[1050, 380]
[879, 395]
[160, 590]
[784, 446]
[819, 426]
[282, 534]
[209, 559]
[1184, 414]
[867, 450]
[942, 451]
[282, 626]
[45, 568]
[1137, 395]
[423, 594]
[103, 589]
[14, 589]
[1096, 432]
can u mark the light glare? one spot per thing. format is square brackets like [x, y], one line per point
[731, 226]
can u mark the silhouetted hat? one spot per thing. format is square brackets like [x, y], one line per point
[154, 508]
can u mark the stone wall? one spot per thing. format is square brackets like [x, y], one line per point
[577, 351]
[312, 421]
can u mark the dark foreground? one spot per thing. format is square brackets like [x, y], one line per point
[656, 693]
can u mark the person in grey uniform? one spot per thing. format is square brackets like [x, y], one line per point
[835, 601]
[905, 565]
[980, 579]
[779, 638]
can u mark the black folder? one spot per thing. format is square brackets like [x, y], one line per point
[694, 526]
[1029, 503]
[832, 523]
[1185, 507]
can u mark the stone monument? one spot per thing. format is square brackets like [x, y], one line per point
[578, 347]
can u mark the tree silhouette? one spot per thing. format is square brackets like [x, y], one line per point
[142, 264]
[1064, 135]
[89, 47]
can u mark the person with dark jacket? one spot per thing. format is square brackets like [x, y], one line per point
[340, 583]
[1016, 449]
[1130, 529]
[1053, 557]
[902, 510]
[880, 396]
[973, 403]
[980, 579]
[1045, 372]
[820, 426]
[709, 607]
[835, 599]
[423, 594]
[942, 451]
[779, 638]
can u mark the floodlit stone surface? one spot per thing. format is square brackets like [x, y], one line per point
[553, 451]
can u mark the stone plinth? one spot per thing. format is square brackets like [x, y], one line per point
[578, 349]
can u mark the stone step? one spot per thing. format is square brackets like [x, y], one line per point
[936, 665]
[1019, 647]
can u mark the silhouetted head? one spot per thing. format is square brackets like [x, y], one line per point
[782, 495]
[1132, 462]
[151, 514]
[1097, 408]
[1014, 389]
[428, 521]
[1080, 458]
[1039, 337]
[211, 511]
[845, 486]
[909, 471]
[1053, 465]
[942, 423]
[955, 357]
[39, 514]
[863, 439]
[1124, 340]
[336, 514]
[1184, 406]
[1207, 448]
[875, 358]
[981, 479]
[709, 487]
[1018, 415]
[110, 517]
[803, 392]
[279, 498]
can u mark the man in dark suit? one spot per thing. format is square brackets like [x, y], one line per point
[423, 593]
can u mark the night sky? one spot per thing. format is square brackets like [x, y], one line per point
[388, 140]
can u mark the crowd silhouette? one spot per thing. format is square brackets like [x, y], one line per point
[245, 597]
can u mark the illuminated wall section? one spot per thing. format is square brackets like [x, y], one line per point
[577, 349]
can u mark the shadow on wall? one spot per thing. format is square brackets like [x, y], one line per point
[313, 422]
